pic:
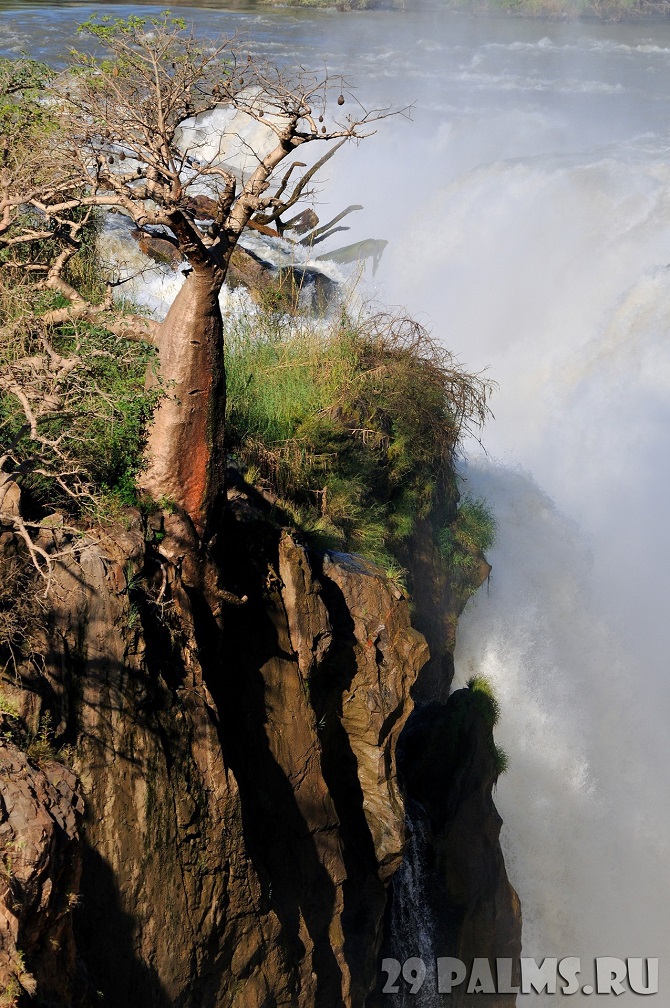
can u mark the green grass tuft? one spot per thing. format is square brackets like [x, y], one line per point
[351, 425]
[7, 708]
[471, 534]
[486, 699]
[501, 761]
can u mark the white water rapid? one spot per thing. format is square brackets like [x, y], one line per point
[527, 209]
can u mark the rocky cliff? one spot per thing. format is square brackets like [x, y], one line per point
[449, 767]
[231, 818]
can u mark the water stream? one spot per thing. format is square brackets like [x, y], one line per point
[413, 925]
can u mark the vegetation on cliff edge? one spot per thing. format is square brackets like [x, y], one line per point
[488, 706]
[353, 427]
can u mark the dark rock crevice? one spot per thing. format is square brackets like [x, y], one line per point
[447, 762]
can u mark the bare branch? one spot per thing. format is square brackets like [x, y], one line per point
[161, 121]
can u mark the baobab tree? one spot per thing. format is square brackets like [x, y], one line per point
[143, 125]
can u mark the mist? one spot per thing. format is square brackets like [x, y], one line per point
[529, 225]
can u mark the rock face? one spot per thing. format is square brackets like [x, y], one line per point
[448, 765]
[448, 768]
[320, 660]
[40, 870]
[231, 832]
[233, 719]
[157, 248]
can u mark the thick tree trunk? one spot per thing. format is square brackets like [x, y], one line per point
[185, 449]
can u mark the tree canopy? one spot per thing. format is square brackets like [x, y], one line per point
[190, 139]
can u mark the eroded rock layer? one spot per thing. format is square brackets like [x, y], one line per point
[40, 872]
[233, 721]
[234, 815]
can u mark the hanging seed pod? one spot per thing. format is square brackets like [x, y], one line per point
[261, 114]
[122, 156]
[115, 72]
[241, 81]
[110, 160]
[320, 118]
[340, 100]
[323, 129]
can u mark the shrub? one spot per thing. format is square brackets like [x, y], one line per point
[9, 998]
[7, 708]
[472, 533]
[20, 613]
[501, 761]
[489, 708]
[486, 699]
[40, 747]
[352, 426]
[73, 403]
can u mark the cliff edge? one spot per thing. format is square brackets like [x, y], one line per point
[232, 815]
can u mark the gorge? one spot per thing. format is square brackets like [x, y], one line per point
[525, 208]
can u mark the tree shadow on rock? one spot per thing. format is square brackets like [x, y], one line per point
[106, 940]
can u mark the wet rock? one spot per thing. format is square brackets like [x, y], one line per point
[159, 249]
[303, 222]
[448, 765]
[249, 271]
[202, 207]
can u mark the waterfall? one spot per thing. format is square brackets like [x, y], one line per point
[537, 242]
[552, 270]
[413, 927]
[527, 209]
[588, 853]
[154, 286]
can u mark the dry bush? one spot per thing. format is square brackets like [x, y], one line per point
[353, 426]
[21, 609]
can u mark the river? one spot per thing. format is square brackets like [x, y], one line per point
[526, 203]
